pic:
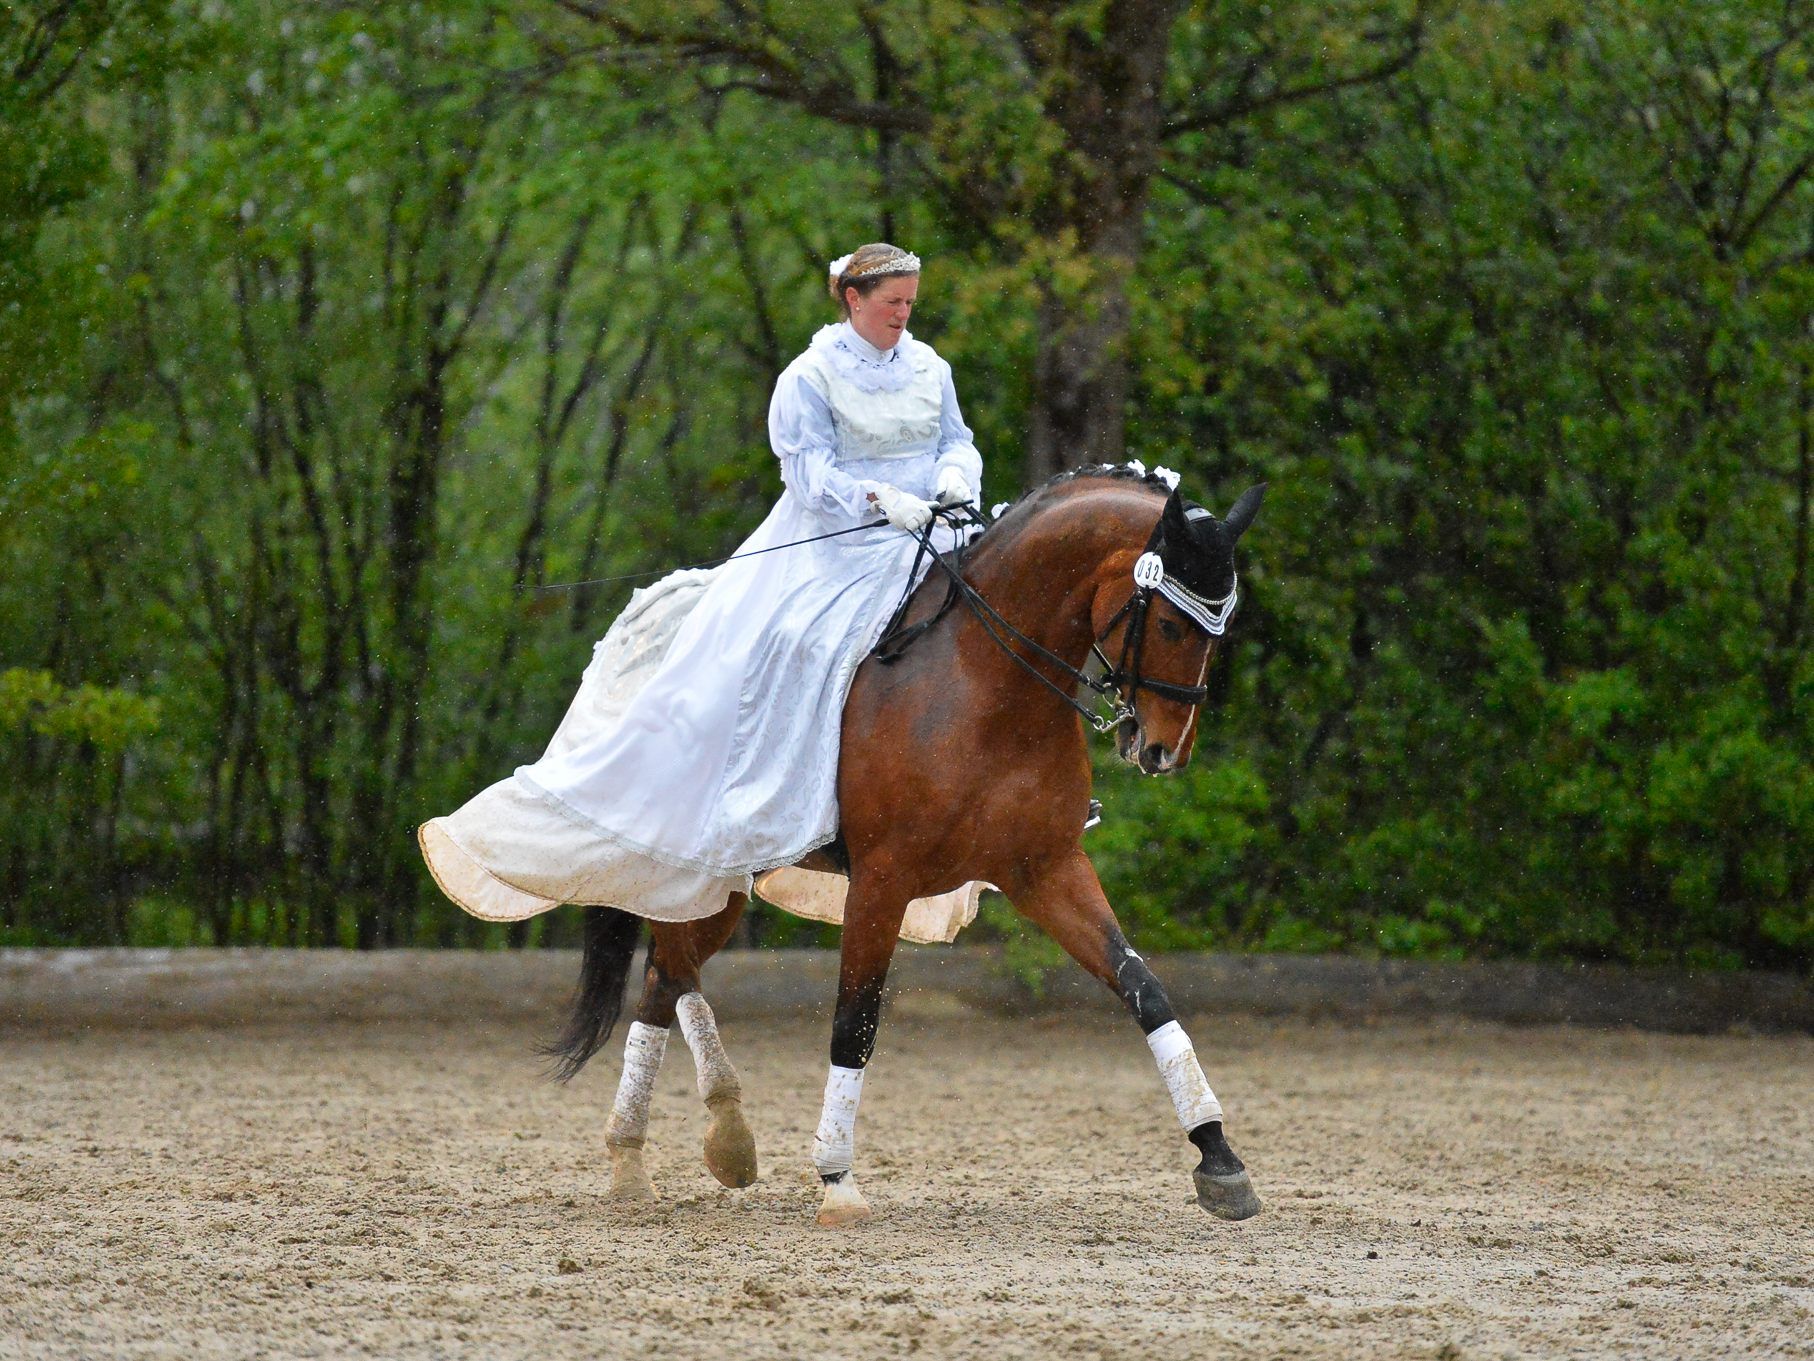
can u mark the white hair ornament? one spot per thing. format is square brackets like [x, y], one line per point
[839, 265]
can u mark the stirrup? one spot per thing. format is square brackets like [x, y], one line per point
[1095, 814]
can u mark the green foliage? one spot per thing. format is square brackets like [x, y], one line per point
[328, 333]
[1028, 957]
[108, 720]
[1523, 352]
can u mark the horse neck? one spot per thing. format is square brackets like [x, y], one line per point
[1044, 575]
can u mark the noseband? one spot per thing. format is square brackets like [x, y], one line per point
[1120, 684]
[1150, 577]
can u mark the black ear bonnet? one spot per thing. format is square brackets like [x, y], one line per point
[1196, 548]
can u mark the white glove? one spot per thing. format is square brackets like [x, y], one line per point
[904, 511]
[952, 488]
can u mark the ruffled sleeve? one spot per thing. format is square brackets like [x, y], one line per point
[956, 447]
[800, 432]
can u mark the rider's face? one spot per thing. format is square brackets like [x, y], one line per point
[882, 316]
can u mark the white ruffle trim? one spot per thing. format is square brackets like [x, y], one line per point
[864, 366]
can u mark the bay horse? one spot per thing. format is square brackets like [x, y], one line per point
[964, 758]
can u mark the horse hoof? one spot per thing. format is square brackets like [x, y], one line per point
[730, 1148]
[1229, 1197]
[629, 1178]
[843, 1205]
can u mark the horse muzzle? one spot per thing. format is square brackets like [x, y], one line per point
[1150, 758]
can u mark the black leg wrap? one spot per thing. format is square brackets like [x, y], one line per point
[1138, 986]
[853, 1030]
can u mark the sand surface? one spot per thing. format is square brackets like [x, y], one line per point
[414, 1190]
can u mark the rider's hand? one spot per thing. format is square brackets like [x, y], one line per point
[904, 510]
[951, 488]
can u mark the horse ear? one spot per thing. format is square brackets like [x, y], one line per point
[1174, 524]
[1244, 510]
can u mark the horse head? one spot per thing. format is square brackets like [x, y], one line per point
[1193, 590]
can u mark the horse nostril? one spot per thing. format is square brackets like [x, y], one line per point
[1127, 738]
[1153, 758]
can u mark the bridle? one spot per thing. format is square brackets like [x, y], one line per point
[1123, 681]
[1120, 683]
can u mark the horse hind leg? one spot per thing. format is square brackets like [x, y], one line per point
[675, 957]
[670, 991]
[609, 942]
[626, 1134]
[730, 1148]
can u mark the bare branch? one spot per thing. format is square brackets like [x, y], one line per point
[41, 41]
[488, 273]
[1243, 103]
[763, 60]
[1782, 191]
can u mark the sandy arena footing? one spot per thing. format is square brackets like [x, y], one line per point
[414, 1189]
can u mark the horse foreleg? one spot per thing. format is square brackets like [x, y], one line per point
[1068, 902]
[872, 923]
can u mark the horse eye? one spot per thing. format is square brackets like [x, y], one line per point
[1170, 631]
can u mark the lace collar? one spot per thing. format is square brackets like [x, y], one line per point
[862, 364]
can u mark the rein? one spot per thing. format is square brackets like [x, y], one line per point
[1108, 687]
[1149, 577]
[694, 566]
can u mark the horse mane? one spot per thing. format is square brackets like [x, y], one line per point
[1106, 472]
[1204, 561]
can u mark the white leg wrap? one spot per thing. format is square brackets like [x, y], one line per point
[835, 1145]
[1183, 1075]
[643, 1052]
[717, 1079]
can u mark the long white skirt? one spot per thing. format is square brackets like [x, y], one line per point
[700, 756]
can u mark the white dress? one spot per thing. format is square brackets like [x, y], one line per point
[702, 747]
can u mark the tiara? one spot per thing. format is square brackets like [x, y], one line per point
[904, 263]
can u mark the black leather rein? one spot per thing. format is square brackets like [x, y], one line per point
[1108, 686]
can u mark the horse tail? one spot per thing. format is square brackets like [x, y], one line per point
[604, 971]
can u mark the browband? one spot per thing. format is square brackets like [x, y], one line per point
[1211, 615]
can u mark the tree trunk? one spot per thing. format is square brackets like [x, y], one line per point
[1080, 378]
[1104, 92]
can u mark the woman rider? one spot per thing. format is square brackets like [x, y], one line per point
[666, 795]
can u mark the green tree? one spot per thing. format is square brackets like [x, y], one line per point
[1038, 131]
